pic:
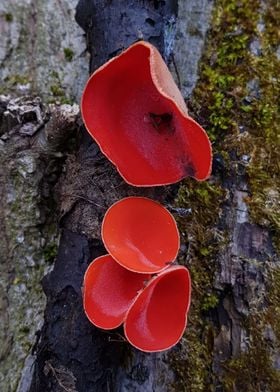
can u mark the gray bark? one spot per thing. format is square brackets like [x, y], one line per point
[42, 49]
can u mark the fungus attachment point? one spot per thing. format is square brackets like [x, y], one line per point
[157, 318]
[133, 109]
[140, 234]
[108, 291]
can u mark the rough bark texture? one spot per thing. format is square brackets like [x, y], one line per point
[42, 49]
[32, 136]
[53, 175]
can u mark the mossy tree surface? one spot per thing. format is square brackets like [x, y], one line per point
[237, 100]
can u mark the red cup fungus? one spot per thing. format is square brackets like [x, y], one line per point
[108, 291]
[154, 315]
[140, 234]
[133, 109]
[157, 319]
[142, 238]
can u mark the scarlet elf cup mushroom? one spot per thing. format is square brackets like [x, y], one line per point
[119, 289]
[133, 109]
[154, 312]
[158, 317]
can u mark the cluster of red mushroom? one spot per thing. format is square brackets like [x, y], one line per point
[133, 109]
[142, 240]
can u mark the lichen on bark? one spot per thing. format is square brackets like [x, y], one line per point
[29, 234]
[42, 50]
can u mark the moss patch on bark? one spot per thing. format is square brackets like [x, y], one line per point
[237, 100]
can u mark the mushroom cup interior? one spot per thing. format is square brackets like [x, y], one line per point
[157, 319]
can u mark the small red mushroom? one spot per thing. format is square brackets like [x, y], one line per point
[140, 234]
[133, 109]
[157, 318]
[108, 291]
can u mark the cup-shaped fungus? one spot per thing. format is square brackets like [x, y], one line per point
[108, 291]
[133, 109]
[157, 318]
[140, 234]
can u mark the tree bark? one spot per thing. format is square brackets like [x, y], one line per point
[53, 174]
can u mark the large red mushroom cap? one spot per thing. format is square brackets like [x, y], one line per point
[108, 291]
[157, 318]
[140, 234]
[133, 109]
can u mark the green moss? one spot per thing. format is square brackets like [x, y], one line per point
[56, 90]
[24, 329]
[58, 94]
[50, 252]
[239, 122]
[254, 368]
[202, 239]
[68, 54]
[210, 301]
[24, 264]
[55, 75]
[9, 17]
[226, 99]
[265, 167]
[272, 314]
[13, 80]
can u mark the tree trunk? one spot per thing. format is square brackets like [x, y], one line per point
[52, 175]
